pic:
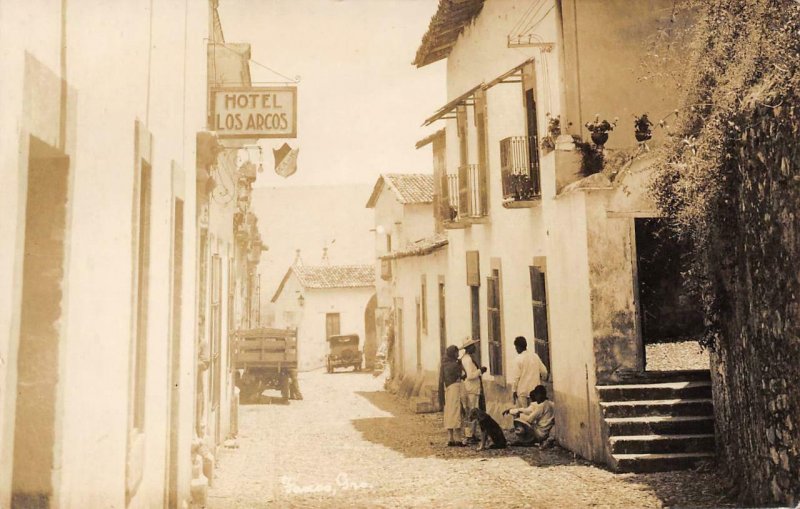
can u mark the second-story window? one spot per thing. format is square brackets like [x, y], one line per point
[519, 155]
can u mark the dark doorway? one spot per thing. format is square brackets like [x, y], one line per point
[41, 314]
[442, 337]
[669, 314]
[370, 335]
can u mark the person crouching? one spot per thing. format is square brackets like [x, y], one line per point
[534, 424]
[450, 372]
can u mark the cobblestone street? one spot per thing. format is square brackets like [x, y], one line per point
[349, 443]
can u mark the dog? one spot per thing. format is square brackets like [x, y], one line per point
[489, 430]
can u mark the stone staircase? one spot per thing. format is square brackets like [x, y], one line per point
[657, 421]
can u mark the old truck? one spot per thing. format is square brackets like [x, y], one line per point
[264, 358]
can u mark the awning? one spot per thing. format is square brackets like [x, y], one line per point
[513, 75]
[421, 247]
[447, 108]
[429, 139]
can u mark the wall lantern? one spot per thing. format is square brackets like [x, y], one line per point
[301, 300]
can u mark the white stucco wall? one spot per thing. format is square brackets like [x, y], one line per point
[112, 80]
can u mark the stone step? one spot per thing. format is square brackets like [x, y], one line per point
[664, 390]
[658, 462]
[658, 444]
[669, 407]
[660, 425]
[646, 377]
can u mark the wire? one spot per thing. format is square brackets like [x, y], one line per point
[525, 16]
[541, 18]
[296, 79]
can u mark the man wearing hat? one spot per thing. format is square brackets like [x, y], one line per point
[472, 384]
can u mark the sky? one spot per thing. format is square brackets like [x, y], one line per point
[360, 101]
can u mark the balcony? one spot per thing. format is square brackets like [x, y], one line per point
[474, 208]
[450, 213]
[519, 167]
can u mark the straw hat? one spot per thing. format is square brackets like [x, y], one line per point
[468, 342]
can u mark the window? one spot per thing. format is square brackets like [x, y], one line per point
[539, 304]
[332, 324]
[529, 90]
[480, 200]
[423, 303]
[142, 287]
[142, 204]
[463, 160]
[216, 329]
[494, 316]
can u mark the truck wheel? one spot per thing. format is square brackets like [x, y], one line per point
[284, 386]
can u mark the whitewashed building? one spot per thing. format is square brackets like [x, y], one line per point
[97, 264]
[550, 232]
[325, 300]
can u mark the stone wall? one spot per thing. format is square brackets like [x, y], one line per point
[756, 375]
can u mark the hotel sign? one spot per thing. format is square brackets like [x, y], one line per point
[254, 112]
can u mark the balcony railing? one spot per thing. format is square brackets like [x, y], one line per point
[519, 167]
[453, 197]
[474, 202]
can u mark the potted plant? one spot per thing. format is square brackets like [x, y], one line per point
[643, 128]
[600, 129]
[553, 132]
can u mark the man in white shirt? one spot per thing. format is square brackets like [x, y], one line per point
[529, 372]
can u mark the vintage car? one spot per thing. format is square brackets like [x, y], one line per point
[343, 352]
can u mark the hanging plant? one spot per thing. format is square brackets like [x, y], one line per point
[553, 132]
[600, 129]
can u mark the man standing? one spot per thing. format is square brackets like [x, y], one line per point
[472, 385]
[529, 372]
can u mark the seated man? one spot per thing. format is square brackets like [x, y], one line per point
[534, 423]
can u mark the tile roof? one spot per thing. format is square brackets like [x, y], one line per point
[335, 276]
[408, 188]
[317, 277]
[421, 247]
[446, 25]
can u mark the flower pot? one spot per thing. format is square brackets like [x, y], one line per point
[643, 136]
[599, 138]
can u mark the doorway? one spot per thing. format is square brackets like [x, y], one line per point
[41, 322]
[173, 375]
[670, 317]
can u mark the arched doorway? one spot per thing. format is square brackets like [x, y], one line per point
[370, 336]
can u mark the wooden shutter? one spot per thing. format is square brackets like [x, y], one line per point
[423, 302]
[494, 329]
[539, 305]
[481, 129]
[529, 100]
[473, 268]
[463, 159]
[441, 200]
